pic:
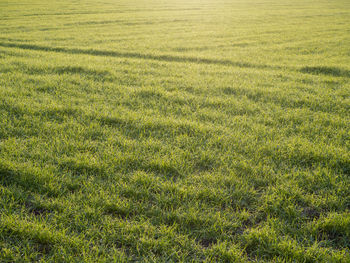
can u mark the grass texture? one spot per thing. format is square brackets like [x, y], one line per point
[175, 131]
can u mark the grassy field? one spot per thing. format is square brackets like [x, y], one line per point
[175, 130]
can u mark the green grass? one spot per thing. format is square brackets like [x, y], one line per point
[175, 131]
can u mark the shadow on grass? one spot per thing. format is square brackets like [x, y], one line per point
[329, 71]
[95, 74]
[28, 181]
[109, 53]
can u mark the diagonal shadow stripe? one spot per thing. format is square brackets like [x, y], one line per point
[166, 58]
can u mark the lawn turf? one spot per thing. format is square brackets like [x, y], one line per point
[175, 131]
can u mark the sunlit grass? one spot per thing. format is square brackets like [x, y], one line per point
[174, 131]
